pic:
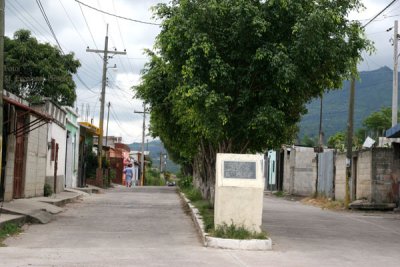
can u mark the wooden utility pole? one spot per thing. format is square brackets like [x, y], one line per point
[144, 112]
[1, 88]
[349, 153]
[108, 118]
[99, 172]
[395, 74]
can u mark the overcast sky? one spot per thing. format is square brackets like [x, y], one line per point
[77, 27]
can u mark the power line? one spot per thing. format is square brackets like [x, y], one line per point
[383, 10]
[114, 15]
[120, 35]
[87, 25]
[26, 22]
[48, 23]
[28, 13]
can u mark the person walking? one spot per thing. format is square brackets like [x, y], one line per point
[128, 175]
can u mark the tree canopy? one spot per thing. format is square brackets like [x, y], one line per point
[34, 70]
[234, 76]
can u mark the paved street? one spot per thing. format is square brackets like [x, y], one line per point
[148, 227]
[307, 234]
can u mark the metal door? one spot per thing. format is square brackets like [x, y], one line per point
[325, 174]
[19, 158]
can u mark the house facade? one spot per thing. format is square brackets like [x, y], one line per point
[72, 149]
[24, 149]
[56, 144]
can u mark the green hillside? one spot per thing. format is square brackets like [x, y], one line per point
[155, 147]
[373, 91]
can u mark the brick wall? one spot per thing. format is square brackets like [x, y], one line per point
[382, 179]
[340, 176]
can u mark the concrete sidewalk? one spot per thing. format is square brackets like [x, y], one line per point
[36, 209]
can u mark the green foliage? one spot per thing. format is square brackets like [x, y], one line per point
[308, 141]
[91, 165]
[33, 70]
[374, 124]
[153, 177]
[185, 181]
[8, 229]
[193, 194]
[279, 194]
[234, 76]
[233, 231]
[207, 213]
[378, 122]
[47, 190]
[337, 141]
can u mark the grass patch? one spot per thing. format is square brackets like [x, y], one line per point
[324, 203]
[279, 194]
[192, 194]
[207, 212]
[8, 229]
[233, 231]
[153, 178]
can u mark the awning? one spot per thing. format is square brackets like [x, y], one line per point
[41, 119]
[393, 132]
[91, 128]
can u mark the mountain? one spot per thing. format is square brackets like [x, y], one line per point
[373, 91]
[155, 147]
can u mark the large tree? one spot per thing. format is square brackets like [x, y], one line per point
[233, 76]
[34, 69]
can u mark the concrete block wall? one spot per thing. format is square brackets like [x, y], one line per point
[288, 159]
[9, 170]
[305, 172]
[340, 176]
[36, 161]
[363, 179]
[60, 182]
[382, 178]
[299, 173]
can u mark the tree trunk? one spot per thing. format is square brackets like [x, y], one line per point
[204, 166]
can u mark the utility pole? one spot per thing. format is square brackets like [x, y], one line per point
[108, 118]
[320, 140]
[144, 112]
[1, 91]
[349, 154]
[395, 74]
[99, 172]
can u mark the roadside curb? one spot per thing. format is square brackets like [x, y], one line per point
[223, 243]
[61, 200]
[12, 218]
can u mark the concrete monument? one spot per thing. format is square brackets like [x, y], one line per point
[239, 190]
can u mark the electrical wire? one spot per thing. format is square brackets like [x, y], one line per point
[377, 15]
[48, 24]
[29, 14]
[114, 15]
[87, 25]
[28, 25]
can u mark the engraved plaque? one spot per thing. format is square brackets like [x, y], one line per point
[240, 169]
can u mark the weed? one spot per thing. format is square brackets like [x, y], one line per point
[193, 194]
[207, 213]
[279, 194]
[185, 181]
[153, 178]
[47, 190]
[324, 203]
[7, 230]
[233, 231]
